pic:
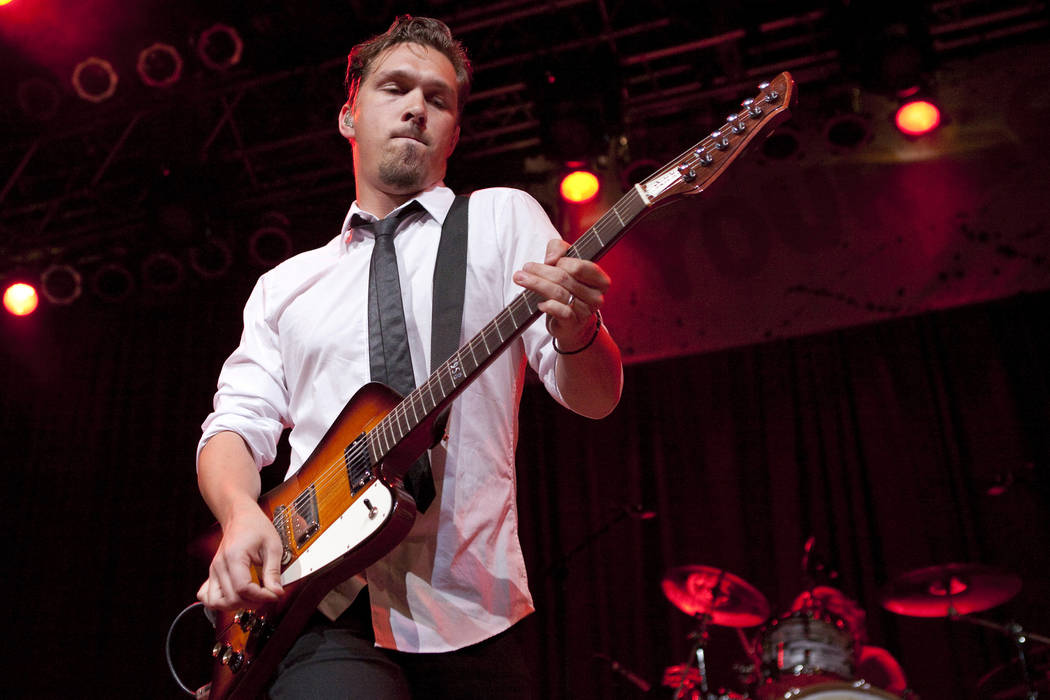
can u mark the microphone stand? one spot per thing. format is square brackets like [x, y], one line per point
[560, 566]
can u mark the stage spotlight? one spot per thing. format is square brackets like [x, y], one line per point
[268, 246]
[94, 79]
[579, 186]
[211, 259]
[162, 272]
[847, 131]
[112, 282]
[220, 47]
[20, 299]
[61, 284]
[159, 65]
[5, 2]
[918, 117]
[38, 98]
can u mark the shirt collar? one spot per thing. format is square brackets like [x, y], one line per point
[436, 200]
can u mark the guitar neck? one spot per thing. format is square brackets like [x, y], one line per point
[689, 174]
[424, 403]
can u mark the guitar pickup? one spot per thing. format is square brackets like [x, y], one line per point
[305, 522]
[358, 464]
[300, 521]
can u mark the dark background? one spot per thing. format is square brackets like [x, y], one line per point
[860, 356]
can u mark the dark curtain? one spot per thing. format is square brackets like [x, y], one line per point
[881, 442]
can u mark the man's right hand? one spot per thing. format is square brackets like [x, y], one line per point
[229, 482]
[249, 541]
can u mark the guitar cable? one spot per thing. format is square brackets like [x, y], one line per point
[167, 643]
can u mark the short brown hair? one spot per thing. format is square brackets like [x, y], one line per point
[407, 29]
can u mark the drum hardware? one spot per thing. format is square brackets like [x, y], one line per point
[955, 591]
[1019, 678]
[1020, 638]
[712, 597]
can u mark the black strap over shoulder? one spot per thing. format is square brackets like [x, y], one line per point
[450, 281]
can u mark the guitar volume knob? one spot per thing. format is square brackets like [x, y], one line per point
[232, 659]
[244, 618]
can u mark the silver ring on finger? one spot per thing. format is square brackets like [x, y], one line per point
[572, 298]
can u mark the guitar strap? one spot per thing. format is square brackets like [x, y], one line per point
[450, 281]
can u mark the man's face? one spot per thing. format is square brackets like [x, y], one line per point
[405, 120]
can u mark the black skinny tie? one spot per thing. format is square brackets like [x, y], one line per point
[389, 356]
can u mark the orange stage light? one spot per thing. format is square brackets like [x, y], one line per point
[579, 186]
[21, 299]
[918, 118]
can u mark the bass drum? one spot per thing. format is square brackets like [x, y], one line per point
[857, 690]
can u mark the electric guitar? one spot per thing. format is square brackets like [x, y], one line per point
[345, 508]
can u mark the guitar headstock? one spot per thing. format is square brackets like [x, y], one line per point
[693, 171]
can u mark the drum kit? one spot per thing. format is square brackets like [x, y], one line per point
[817, 651]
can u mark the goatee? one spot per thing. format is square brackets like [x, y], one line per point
[402, 168]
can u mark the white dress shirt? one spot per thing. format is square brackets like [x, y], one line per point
[459, 576]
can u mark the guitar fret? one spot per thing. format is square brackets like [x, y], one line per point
[430, 387]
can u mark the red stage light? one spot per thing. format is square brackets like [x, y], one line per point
[21, 299]
[579, 186]
[918, 118]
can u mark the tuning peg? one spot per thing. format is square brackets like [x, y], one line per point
[735, 124]
[752, 109]
[721, 142]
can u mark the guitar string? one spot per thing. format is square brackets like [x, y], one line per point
[385, 428]
[385, 425]
[416, 399]
[384, 431]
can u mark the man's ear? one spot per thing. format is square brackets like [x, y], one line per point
[346, 122]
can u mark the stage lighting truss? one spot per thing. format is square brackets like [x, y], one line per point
[95, 80]
[159, 65]
[220, 47]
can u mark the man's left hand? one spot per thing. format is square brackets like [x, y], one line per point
[573, 290]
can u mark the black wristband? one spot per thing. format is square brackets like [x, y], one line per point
[597, 327]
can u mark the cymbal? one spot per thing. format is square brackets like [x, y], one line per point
[949, 589]
[704, 590]
[681, 675]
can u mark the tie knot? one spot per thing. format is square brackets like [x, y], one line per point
[386, 227]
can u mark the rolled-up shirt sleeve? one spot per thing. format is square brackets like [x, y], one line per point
[252, 396]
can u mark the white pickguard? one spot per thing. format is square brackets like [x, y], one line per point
[354, 526]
